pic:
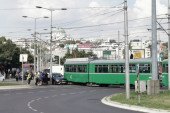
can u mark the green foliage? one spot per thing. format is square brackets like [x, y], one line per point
[165, 44]
[165, 55]
[9, 54]
[160, 101]
[56, 59]
[79, 54]
[61, 45]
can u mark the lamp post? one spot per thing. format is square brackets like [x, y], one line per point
[35, 19]
[51, 12]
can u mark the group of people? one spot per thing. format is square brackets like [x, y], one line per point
[39, 77]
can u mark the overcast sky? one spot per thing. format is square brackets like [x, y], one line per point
[82, 19]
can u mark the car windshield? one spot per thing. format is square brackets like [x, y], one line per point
[56, 75]
[47, 70]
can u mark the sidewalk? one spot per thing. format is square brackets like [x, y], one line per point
[106, 100]
[19, 86]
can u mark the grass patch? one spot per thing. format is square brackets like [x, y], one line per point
[161, 101]
[8, 84]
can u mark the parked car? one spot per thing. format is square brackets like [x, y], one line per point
[2, 77]
[58, 79]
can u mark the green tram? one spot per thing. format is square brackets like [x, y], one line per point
[105, 72]
[165, 72]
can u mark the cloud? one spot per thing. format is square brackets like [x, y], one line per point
[142, 8]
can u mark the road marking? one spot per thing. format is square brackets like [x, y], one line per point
[30, 92]
[29, 105]
[54, 96]
[38, 98]
[46, 97]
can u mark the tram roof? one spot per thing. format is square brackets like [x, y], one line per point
[123, 61]
[166, 60]
[77, 61]
[86, 61]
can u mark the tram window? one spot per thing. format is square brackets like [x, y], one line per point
[84, 68]
[67, 68]
[132, 68]
[105, 69]
[100, 68]
[114, 69]
[96, 68]
[166, 68]
[71, 68]
[121, 68]
[163, 68]
[144, 68]
[79, 68]
[75, 68]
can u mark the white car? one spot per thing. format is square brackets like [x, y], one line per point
[2, 77]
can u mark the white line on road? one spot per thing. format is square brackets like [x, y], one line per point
[46, 97]
[29, 105]
[54, 96]
[38, 98]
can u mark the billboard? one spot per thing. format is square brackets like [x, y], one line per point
[138, 53]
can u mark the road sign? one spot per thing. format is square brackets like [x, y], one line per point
[23, 57]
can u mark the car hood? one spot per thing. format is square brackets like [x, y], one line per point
[59, 78]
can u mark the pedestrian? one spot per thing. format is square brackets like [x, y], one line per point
[17, 76]
[29, 78]
[46, 78]
[40, 78]
[36, 78]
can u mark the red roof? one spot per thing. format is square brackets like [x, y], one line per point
[84, 46]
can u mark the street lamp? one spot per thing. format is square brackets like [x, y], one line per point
[51, 10]
[35, 19]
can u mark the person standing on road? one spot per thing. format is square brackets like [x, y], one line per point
[17, 76]
[29, 78]
[40, 78]
[36, 78]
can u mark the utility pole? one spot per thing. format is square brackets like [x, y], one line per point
[118, 43]
[126, 50]
[168, 44]
[40, 54]
[154, 43]
[37, 57]
[35, 47]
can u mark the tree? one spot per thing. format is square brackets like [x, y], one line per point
[61, 45]
[165, 44]
[9, 54]
[79, 54]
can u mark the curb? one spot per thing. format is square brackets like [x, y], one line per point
[106, 100]
[15, 87]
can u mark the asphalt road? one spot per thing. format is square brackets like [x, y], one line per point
[59, 99]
